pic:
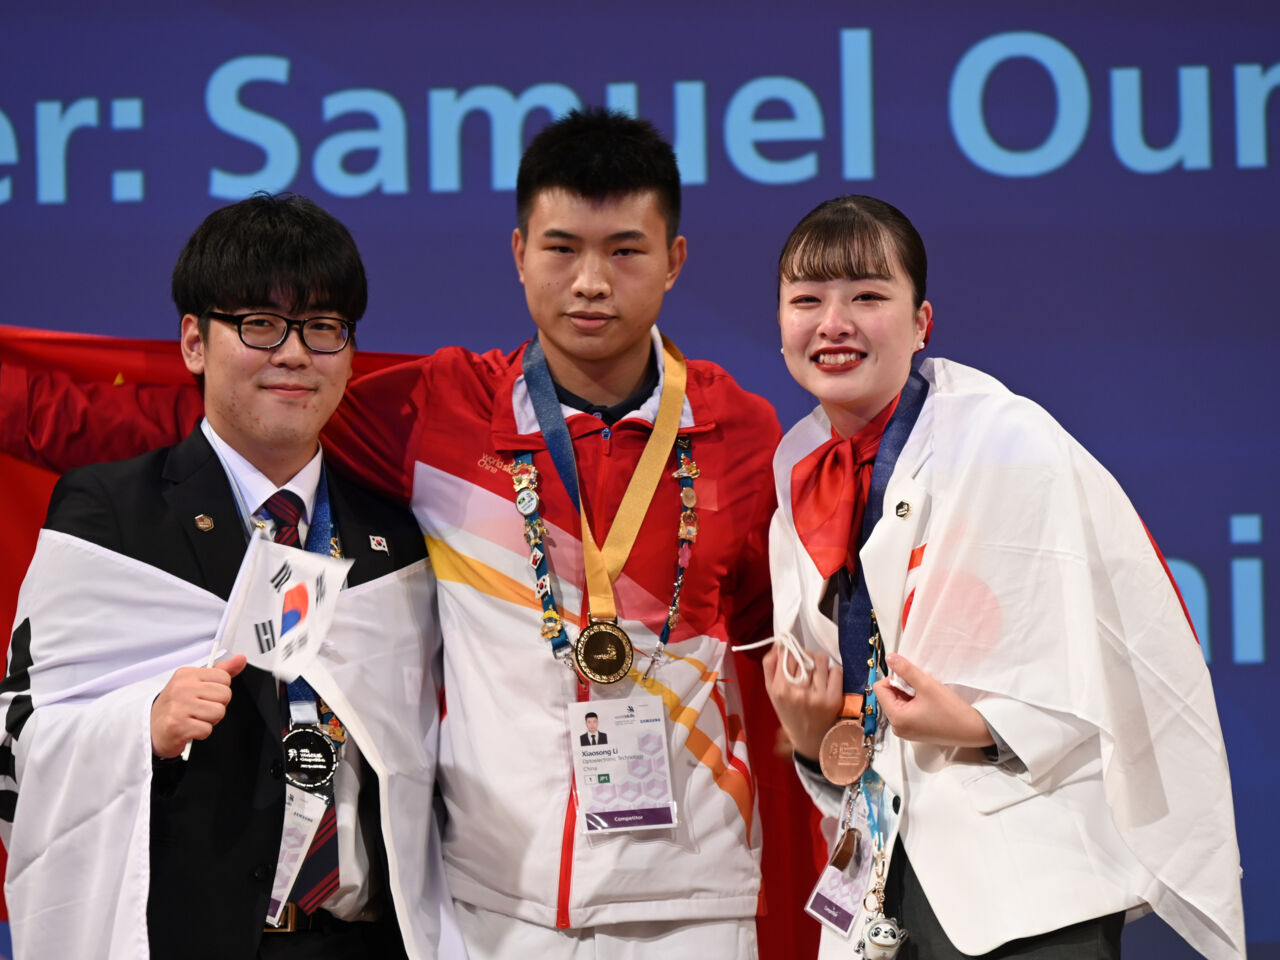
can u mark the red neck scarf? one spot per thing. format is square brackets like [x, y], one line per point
[829, 491]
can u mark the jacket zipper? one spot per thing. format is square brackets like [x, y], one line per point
[570, 826]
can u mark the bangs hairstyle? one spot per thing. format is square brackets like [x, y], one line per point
[600, 154]
[279, 250]
[854, 238]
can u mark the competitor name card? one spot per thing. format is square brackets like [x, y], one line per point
[620, 765]
[836, 901]
[302, 813]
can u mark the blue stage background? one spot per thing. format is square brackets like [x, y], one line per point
[1097, 187]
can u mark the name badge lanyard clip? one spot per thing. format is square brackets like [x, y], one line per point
[846, 747]
[603, 651]
[880, 933]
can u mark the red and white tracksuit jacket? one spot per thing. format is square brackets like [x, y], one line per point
[441, 433]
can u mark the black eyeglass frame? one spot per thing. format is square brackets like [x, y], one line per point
[238, 319]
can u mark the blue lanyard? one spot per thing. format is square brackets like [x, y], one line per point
[319, 540]
[542, 391]
[541, 570]
[855, 612]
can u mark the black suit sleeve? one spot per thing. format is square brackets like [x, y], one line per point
[81, 507]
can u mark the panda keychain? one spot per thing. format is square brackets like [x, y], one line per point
[881, 938]
[881, 935]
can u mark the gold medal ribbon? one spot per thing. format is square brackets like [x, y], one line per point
[603, 567]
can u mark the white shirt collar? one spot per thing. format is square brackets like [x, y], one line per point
[252, 488]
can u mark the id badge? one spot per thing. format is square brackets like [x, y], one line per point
[836, 901]
[620, 765]
[302, 813]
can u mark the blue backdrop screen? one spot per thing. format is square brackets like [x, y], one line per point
[1098, 188]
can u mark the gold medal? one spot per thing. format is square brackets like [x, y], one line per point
[603, 652]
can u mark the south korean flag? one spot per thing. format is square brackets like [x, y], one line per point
[280, 608]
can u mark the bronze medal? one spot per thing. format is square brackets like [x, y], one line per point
[843, 755]
[603, 652]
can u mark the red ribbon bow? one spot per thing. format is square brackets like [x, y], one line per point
[829, 491]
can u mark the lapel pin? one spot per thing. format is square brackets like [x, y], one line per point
[204, 523]
[903, 509]
[379, 544]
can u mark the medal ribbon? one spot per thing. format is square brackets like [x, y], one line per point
[854, 620]
[603, 566]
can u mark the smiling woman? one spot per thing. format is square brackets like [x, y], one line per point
[851, 314]
[963, 542]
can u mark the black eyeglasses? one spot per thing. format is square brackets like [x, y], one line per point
[266, 331]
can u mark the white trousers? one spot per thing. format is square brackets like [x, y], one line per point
[494, 936]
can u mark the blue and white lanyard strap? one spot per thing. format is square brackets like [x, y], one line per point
[873, 791]
[534, 534]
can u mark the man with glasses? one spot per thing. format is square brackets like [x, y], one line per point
[112, 820]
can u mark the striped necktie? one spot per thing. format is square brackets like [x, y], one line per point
[285, 508]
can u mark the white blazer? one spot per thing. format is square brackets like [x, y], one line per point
[1034, 591]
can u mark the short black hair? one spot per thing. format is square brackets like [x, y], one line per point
[589, 714]
[267, 248]
[600, 154]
